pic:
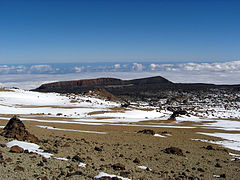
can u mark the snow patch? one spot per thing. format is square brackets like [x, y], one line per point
[102, 174]
[31, 147]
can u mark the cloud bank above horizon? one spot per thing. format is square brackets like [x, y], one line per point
[28, 76]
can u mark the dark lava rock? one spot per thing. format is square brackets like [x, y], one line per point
[174, 150]
[118, 166]
[209, 147]
[125, 104]
[124, 173]
[43, 178]
[200, 170]
[16, 129]
[40, 164]
[74, 174]
[16, 149]
[19, 168]
[222, 175]
[1, 156]
[218, 165]
[177, 113]
[108, 178]
[147, 131]
[76, 158]
[136, 161]
[98, 149]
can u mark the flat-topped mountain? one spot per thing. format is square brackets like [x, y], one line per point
[137, 89]
[86, 84]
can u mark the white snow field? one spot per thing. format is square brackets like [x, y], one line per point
[90, 110]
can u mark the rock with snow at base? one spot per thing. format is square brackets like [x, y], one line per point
[16, 149]
[16, 129]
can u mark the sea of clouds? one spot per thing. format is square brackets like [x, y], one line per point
[29, 76]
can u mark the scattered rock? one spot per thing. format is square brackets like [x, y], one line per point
[98, 149]
[43, 178]
[176, 114]
[16, 129]
[40, 164]
[209, 147]
[200, 170]
[19, 168]
[76, 158]
[174, 150]
[74, 173]
[218, 165]
[118, 166]
[16, 149]
[8, 160]
[147, 131]
[136, 161]
[124, 173]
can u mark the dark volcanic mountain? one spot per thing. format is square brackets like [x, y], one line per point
[153, 88]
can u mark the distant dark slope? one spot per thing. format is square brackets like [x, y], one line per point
[150, 80]
[78, 85]
[152, 88]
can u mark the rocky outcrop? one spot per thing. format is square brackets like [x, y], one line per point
[85, 84]
[16, 149]
[147, 131]
[174, 150]
[16, 129]
[176, 114]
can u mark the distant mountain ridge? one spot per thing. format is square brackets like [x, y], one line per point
[136, 89]
[99, 83]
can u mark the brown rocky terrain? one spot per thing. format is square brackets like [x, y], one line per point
[118, 152]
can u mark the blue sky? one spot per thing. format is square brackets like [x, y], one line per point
[51, 31]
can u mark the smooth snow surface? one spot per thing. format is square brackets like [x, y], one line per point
[102, 174]
[83, 165]
[143, 167]
[31, 147]
[231, 141]
[62, 159]
[159, 135]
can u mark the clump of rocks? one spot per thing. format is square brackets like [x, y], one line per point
[17, 130]
[147, 131]
[174, 150]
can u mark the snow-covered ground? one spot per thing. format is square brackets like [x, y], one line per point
[89, 110]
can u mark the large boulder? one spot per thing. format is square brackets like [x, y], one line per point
[16, 129]
[177, 113]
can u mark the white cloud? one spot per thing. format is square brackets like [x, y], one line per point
[216, 67]
[137, 67]
[41, 68]
[78, 69]
[116, 66]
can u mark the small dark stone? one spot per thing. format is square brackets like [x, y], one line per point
[200, 170]
[218, 165]
[76, 158]
[147, 131]
[222, 175]
[136, 160]
[174, 150]
[40, 164]
[19, 168]
[44, 178]
[209, 147]
[124, 173]
[74, 174]
[118, 166]
[97, 149]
